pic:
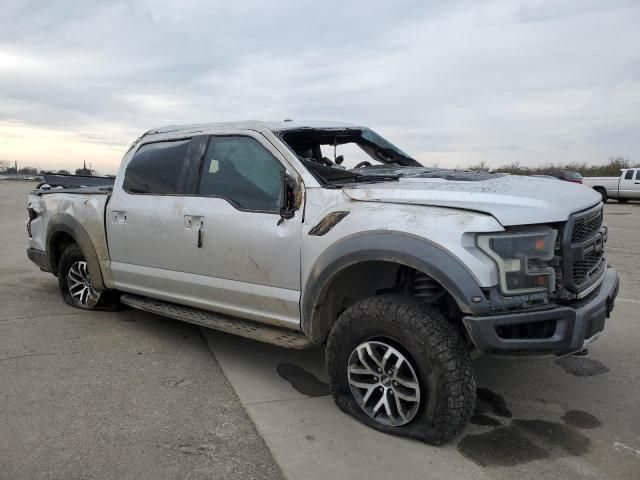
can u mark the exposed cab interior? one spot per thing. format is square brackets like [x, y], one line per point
[345, 155]
[342, 156]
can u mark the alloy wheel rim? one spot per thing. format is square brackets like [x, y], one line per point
[384, 383]
[79, 285]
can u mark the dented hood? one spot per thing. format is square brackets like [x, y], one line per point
[511, 199]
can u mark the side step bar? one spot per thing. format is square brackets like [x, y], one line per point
[217, 321]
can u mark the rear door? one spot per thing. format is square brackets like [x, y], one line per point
[144, 220]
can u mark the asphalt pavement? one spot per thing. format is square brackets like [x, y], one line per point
[132, 395]
[124, 395]
[537, 418]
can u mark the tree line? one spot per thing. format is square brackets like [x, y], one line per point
[610, 169]
[7, 169]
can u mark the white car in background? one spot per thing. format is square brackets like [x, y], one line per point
[622, 188]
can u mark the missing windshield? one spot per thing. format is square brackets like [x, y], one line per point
[345, 155]
[340, 156]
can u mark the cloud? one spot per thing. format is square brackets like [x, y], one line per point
[451, 82]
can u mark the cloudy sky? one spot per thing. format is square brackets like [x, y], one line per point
[453, 83]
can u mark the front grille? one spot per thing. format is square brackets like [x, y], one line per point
[586, 227]
[586, 268]
[583, 259]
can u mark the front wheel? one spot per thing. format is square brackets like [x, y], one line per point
[399, 366]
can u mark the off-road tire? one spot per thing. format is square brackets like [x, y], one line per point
[108, 300]
[436, 350]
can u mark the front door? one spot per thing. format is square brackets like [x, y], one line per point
[244, 260]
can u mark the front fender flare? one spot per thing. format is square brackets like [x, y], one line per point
[388, 246]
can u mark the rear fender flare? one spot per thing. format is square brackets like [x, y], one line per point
[65, 223]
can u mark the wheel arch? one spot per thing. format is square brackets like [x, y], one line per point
[64, 230]
[603, 192]
[381, 247]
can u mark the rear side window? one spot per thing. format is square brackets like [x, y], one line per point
[638, 174]
[156, 168]
[242, 171]
[628, 175]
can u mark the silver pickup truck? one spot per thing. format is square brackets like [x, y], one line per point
[326, 234]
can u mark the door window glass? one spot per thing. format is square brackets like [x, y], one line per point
[242, 171]
[156, 168]
[628, 175]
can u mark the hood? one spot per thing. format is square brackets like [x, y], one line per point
[511, 199]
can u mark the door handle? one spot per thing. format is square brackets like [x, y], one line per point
[118, 217]
[200, 234]
[192, 221]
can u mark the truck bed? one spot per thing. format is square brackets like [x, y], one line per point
[60, 211]
[609, 184]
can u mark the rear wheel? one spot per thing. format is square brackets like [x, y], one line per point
[75, 283]
[399, 366]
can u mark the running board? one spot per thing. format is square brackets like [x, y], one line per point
[217, 321]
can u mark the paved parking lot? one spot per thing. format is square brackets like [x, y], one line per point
[132, 395]
[103, 395]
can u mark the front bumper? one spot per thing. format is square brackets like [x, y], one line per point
[574, 325]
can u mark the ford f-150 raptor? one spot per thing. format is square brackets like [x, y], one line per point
[303, 234]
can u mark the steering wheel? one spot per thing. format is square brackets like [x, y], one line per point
[363, 164]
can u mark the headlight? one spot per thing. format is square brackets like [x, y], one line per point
[522, 258]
